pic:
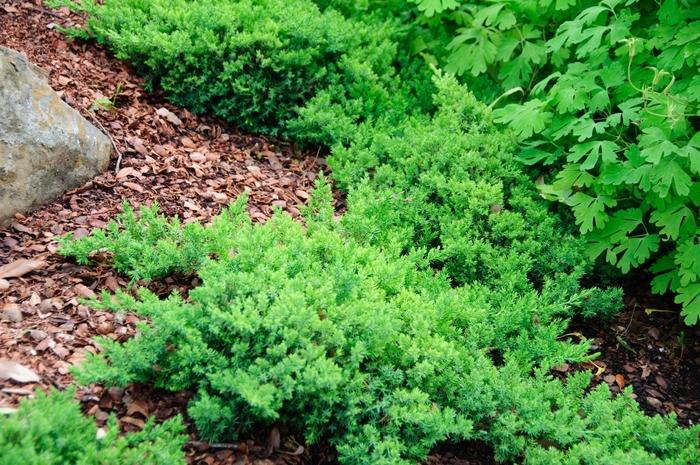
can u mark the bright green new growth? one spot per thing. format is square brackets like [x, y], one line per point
[306, 327]
[50, 430]
[448, 185]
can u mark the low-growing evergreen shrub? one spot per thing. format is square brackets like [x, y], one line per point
[448, 186]
[433, 311]
[50, 430]
[305, 326]
[270, 66]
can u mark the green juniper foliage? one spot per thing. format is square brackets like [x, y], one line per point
[381, 357]
[448, 185]
[436, 308]
[50, 430]
[271, 66]
[610, 93]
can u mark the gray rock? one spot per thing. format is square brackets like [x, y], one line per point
[46, 147]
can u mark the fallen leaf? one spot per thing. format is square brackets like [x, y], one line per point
[4, 285]
[661, 382]
[133, 186]
[620, 380]
[84, 291]
[133, 421]
[139, 407]
[197, 157]
[20, 268]
[17, 372]
[169, 115]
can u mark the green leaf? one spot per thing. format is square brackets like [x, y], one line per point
[593, 151]
[525, 119]
[430, 7]
[689, 297]
[636, 250]
[590, 211]
[669, 173]
[672, 218]
[688, 261]
[655, 145]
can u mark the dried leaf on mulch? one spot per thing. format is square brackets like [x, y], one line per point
[17, 372]
[20, 267]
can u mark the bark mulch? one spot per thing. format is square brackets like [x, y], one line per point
[647, 346]
[193, 166]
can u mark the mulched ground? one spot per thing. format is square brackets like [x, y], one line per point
[193, 166]
[648, 347]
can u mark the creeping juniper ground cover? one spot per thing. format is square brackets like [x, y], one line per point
[496, 160]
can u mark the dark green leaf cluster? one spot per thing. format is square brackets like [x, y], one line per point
[50, 430]
[346, 343]
[611, 98]
[270, 66]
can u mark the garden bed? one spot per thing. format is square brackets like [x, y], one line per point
[186, 168]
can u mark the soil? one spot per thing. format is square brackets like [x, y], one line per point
[192, 166]
[647, 346]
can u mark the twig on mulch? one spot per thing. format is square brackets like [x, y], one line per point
[42, 10]
[114, 144]
[215, 445]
